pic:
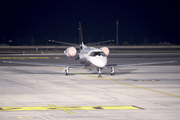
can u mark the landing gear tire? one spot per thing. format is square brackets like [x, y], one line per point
[112, 74]
[99, 75]
[112, 71]
[67, 71]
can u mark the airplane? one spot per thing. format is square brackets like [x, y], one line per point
[88, 56]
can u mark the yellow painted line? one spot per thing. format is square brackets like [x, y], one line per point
[67, 108]
[138, 87]
[18, 117]
[22, 58]
[5, 117]
[57, 67]
[116, 78]
[57, 57]
[52, 105]
[68, 111]
[29, 117]
[147, 80]
[124, 83]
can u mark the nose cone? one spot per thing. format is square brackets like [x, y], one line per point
[99, 61]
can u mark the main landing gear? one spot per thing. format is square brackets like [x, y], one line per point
[112, 71]
[98, 69]
[66, 70]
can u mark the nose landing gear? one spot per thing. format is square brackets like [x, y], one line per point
[99, 72]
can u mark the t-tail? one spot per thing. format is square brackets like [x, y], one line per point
[81, 37]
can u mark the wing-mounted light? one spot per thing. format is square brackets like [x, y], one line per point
[70, 52]
[105, 50]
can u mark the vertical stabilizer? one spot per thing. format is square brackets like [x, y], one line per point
[81, 37]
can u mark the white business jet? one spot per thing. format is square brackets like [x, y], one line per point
[88, 56]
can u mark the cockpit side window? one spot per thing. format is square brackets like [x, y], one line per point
[94, 54]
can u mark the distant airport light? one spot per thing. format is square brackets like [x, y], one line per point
[51, 40]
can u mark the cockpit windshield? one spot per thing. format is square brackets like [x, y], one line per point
[97, 53]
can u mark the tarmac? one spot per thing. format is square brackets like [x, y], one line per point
[148, 92]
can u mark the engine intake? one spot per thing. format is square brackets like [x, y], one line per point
[105, 50]
[70, 52]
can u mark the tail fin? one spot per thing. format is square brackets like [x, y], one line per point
[81, 37]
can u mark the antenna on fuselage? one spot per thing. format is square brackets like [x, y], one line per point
[80, 36]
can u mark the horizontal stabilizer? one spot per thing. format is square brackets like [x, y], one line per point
[97, 43]
[64, 43]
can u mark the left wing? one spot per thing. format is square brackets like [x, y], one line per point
[80, 65]
[46, 64]
[148, 63]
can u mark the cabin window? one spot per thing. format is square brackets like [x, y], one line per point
[94, 54]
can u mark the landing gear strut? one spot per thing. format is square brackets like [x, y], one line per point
[112, 71]
[99, 72]
[67, 71]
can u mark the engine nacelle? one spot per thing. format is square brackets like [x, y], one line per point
[70, 52]
[105, 50]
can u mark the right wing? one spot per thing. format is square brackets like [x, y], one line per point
[147, 63]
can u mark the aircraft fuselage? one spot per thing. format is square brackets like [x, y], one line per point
[93, 56]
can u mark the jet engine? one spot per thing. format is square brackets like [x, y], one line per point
[105, 50]
[70, 52]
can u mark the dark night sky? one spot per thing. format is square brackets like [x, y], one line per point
[55, 19]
